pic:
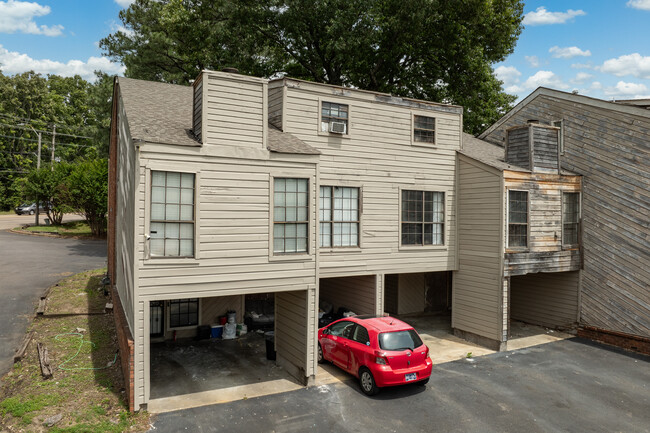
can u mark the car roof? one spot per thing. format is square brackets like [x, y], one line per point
[382, 323]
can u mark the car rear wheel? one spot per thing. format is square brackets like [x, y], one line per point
[367, 381]
[31, 212]
[423, 382]
[321, 359]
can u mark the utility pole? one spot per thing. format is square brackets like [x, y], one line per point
[53, 135]
[38, 165]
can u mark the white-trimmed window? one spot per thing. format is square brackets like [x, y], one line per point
[424, 129]
[570, 217]
[423, 218]
[517, 219]
[339, 216]
[334, 117]
[290, 215]
[172, 214]
[183, 312]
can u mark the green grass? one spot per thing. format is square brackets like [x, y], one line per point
[7, 212]
[74, 228]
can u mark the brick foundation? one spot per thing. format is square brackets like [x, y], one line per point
[631, 342]
[126, 344]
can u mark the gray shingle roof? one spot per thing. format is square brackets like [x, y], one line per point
[162, 113]
[158, 112]
[283, 142]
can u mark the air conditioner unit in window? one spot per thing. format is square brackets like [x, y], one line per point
[338, 127]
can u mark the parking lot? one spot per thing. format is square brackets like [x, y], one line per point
[567, 385]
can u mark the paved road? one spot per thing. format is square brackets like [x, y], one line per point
[567, 386]
[12, 221]
[28, 266]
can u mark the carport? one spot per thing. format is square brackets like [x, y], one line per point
[545, 299]
[421, 292]
[358, 294]
[185, 364]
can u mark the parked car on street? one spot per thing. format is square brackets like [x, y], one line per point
[379, 351]
[29, 208]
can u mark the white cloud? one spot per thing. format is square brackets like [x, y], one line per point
[541, 16]
[639, 4]
[18, 16]
[630, 64]
[568, 52]
[117, 27]
[545, 79]
[508, 74]
[533, 61]
[596, 85]
[581, 77]
[624, 90]
[582, 66]
[124, 3]
[12, 62]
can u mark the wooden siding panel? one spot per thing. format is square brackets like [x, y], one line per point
[378, 156]
[477, 295]
[276, 106]
[294, 331]
[611, 149]
[411, 293]
[359, 294]
[545, 299]
[197, 112]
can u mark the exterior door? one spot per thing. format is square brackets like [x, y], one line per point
[156, 318]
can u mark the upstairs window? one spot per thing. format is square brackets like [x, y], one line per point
[334, 118]
[424, 129]
[290, 215]
[570, 218]
[339, 216]
[517, 219]
[423, 218]
[172, 214]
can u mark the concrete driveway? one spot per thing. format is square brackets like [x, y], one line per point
[28, 266]
[570, 385]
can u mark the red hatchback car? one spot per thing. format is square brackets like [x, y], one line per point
[380, 351]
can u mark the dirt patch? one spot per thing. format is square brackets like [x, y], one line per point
[86, 393]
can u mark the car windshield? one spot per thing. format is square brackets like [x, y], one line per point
[400, 340]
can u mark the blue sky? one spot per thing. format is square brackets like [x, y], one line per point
[600, 48]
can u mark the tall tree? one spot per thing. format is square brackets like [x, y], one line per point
[439, 50]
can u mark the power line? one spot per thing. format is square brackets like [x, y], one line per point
[58, 143]
[44, 131]
[24, 119]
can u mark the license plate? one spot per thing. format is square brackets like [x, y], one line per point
[410, 377]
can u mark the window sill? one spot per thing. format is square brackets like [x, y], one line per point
[290, 257]
[183, 328]
[332, 134]
[166, 261]
[334, 250]
[433, 146]
[517, 250]
[423, 247]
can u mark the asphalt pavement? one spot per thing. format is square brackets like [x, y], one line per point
[572, 385]
[28, 266]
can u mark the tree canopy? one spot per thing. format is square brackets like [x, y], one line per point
[436, 50]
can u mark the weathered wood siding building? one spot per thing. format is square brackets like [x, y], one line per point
[238, 186]
[516, 261]
[609, 145]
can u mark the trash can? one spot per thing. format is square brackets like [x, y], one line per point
[270, 345]
[203, 332]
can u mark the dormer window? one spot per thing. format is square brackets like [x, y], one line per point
[334, 118]
[424, 129]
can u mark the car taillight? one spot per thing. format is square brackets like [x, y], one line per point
[427, 352]
[380, 358]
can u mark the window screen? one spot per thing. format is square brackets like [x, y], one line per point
[423, 218]
[517, 219]
[339, 216]
[570, 217]
[290, 215]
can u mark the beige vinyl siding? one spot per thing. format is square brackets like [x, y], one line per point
[610, 147]
[214, 307]
[125, 218]
[544, 252]
[545, 299]
[233, 231]
[141, 356]
[358, 294]
[411, 296]
[377, 156]
[235, 110]
[276, 100]
[295, 332]
[477, 295]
